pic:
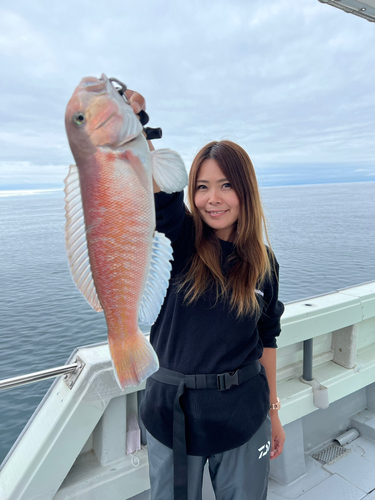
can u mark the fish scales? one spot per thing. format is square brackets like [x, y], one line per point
[119, 227]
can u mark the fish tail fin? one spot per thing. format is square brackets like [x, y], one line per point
[134, 359]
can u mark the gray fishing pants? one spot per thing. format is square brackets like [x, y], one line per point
[238, 474]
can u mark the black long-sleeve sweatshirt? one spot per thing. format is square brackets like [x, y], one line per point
[206, 337]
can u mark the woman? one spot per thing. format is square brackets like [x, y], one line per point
[214, 397]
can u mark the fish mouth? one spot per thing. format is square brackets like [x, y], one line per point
[93, 84]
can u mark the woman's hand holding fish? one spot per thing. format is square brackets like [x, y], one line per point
[136, 101]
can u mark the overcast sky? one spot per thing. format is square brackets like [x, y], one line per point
[292, 81]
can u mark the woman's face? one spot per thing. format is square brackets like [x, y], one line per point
[216, 200]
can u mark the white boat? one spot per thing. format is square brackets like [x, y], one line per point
[361, 8]
[74, 446]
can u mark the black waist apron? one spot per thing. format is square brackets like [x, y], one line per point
[221, 382]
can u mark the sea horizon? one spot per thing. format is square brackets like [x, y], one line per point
[30, 190]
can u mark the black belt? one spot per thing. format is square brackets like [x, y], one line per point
[221, 382]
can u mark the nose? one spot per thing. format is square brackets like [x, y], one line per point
[214, 197]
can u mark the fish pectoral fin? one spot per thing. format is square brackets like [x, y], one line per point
[139, 169]
[168, 170]
[75, 240]
[157, 280]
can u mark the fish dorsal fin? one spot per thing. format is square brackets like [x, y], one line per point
[75, 240]
[168, 170]
[157, 279]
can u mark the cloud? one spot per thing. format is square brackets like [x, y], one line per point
[21, 42]
[292, 84]
[18, 39]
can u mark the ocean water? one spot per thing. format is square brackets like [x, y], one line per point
[323, 237]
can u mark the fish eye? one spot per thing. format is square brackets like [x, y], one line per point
[79, 118]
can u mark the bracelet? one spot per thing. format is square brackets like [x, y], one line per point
[275, 406]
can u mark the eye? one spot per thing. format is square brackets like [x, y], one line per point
[79, 118]
[201, 187]
[227, 185]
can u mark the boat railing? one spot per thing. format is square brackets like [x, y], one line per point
[66, 370]
[78, 365]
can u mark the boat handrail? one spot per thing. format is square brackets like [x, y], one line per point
[41, 375]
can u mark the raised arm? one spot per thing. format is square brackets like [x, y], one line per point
[138, 103]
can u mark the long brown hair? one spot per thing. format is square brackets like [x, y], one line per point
[251, 263]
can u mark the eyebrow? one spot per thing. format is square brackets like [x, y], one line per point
[220, 180]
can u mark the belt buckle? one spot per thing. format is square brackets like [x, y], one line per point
[227, 380]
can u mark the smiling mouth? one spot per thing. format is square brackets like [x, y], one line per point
[217, 213]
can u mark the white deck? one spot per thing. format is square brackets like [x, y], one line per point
[351, 477]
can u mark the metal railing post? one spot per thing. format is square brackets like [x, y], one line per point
[307, 359]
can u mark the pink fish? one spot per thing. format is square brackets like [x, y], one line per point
[116, 261]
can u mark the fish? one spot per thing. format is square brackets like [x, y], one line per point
[117, 260]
